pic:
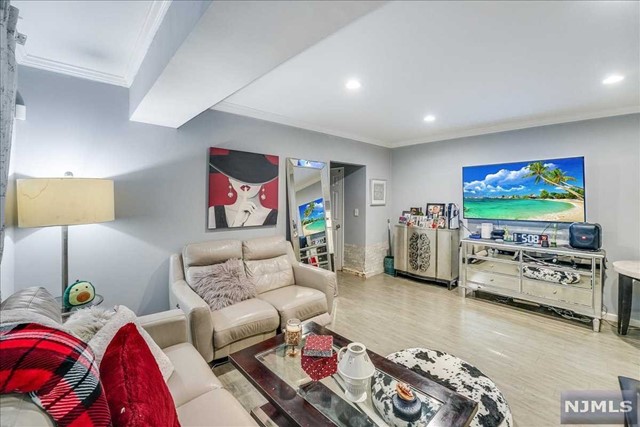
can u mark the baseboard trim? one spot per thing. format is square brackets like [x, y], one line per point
[354, 272]
[614, 318]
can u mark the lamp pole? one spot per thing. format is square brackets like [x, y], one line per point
[65, 249]
[65, 257]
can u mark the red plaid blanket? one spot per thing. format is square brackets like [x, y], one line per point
[57, 369]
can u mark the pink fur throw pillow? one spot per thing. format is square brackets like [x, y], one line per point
[222, 285]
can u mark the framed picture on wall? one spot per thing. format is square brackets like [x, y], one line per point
[378, 192]
[243, 189]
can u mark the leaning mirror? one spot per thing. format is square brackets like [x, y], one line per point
[310, 212]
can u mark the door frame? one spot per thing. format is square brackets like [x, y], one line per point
[338, 242]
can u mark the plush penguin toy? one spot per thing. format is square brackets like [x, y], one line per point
[79, 293]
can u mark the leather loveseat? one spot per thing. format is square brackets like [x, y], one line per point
[198, 394]
[286, 289]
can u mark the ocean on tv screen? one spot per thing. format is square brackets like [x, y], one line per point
[312, 217]
[542, 190]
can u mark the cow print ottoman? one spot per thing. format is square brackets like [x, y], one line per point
[461, 377]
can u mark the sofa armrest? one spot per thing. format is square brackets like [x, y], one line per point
[198, 316]
[167, 328]
[316, 278]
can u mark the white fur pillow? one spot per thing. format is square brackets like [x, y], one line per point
[86, 322]
[221, 285]
[121, 317]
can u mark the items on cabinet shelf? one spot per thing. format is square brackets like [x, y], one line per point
[563, 280]
[438, 215]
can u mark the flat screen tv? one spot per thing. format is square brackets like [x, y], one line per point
[539, 190]
[312, 217]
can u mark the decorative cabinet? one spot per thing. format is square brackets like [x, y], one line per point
[427, 253]
[558, 278]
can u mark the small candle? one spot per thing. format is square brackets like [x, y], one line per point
[293, 332]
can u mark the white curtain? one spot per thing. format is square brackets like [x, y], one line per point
[8, 83]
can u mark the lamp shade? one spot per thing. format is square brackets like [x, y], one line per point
[44, 202]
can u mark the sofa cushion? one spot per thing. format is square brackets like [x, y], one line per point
[269, 274]
[192, 375]
[264, 248]
[57, 369]
[296, 302]
[221, 285]
[18, 410]
[123, 316]
[35, 299]
[242, 320]
[215, 408]
[135, 389]
[211, 252]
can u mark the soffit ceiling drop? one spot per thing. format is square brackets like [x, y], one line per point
[233, 44]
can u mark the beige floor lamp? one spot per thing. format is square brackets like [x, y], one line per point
[45, 202]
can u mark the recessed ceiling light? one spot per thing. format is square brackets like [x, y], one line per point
[353, 84]
[430, 118]
[613, 78]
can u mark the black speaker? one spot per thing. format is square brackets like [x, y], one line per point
[583, 235]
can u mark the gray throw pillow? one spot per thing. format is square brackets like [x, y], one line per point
[35, 299]
[222, 285]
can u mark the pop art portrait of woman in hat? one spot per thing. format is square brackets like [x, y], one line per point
[243, 189]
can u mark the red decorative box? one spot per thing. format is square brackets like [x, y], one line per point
[319, 367]
[318, 346]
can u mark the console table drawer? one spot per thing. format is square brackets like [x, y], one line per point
[564, 293]
[493, 280]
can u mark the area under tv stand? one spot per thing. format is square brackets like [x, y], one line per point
[497, 268]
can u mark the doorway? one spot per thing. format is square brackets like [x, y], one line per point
[348, 186]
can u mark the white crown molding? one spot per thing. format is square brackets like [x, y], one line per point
[152, 22]
[241, 110]
[69, 69]
[516, 125]
[461, 133]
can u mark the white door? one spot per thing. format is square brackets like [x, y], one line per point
[337, 202]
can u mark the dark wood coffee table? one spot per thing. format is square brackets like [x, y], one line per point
[297, 401]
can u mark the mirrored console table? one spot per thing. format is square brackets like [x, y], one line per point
[559, 277]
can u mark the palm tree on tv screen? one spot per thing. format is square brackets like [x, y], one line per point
[309, 210]
[555, 177]
[538, 170]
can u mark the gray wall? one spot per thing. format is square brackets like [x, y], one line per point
[160, 183]
[611, 147]
[355, 197]
[309, 193]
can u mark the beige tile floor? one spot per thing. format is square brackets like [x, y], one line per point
[532, 358]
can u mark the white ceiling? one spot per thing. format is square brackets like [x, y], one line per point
[100, 40]
[479, 67]
[234, 43]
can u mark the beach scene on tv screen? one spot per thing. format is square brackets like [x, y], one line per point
[312, 217]
[541, 190]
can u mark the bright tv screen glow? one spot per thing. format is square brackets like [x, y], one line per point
[540, 190]
[312, 217]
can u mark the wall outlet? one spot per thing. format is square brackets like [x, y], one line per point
[356, 212]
